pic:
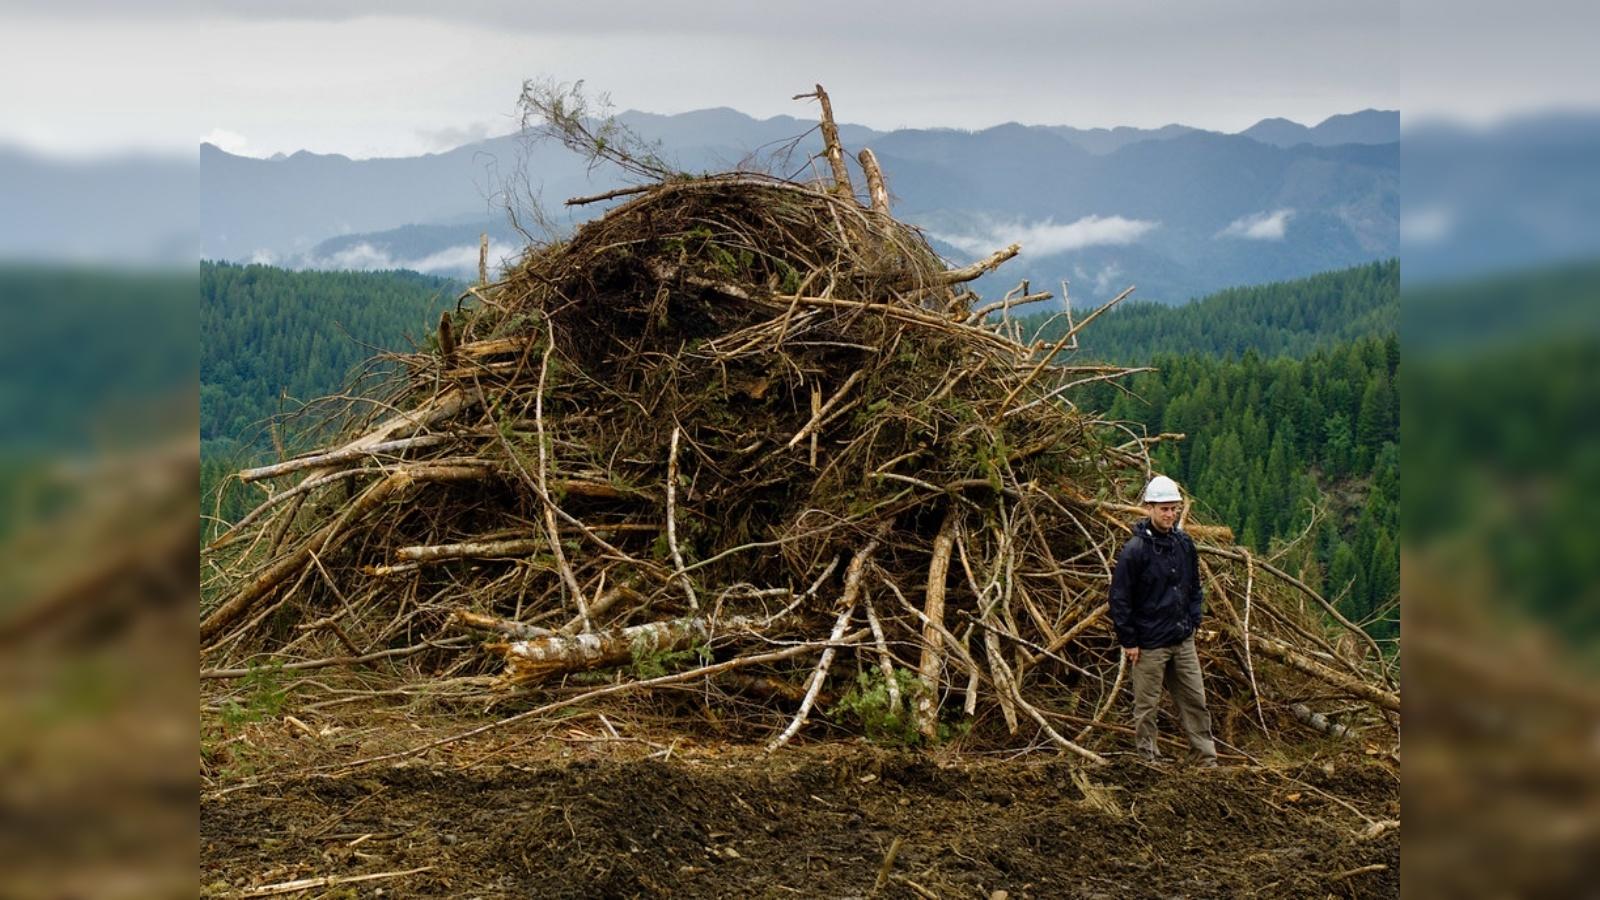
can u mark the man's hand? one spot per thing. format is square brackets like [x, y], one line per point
[1133, 655]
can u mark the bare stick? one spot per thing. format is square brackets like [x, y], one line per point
[544, 488]
[885, 660]
[888, 861]
[1082, 626]
[818, 412]
[978, 269]
[831, 147]
[672, 522]
[609, 195]
[1327, 607]
[446, 644]
[306, 884]
[1007, 304]
[346, 454]
[1249, 581]
[471, 550]
[847, 603]
[1063, 743]
[818, 675]
[1111, 698]
[1060, 345]
[932, 657]
[508, 627]
[875, 186]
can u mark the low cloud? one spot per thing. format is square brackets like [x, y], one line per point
[441, 140]
[1107, 278]
[1045, 238]
[228, 141]
[1261, 226]
[365, 256]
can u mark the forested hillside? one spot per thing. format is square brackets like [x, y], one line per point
[1286, 395]
[1274, 447]
[1287, 318]
[266, 331]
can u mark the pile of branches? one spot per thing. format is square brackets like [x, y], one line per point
[758, 428]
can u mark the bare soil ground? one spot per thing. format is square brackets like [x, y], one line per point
[616, 819]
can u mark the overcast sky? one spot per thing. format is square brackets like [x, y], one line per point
[335, 76]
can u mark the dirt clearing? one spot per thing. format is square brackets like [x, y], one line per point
[587, 820]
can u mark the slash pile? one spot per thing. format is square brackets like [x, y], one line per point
[756, 432]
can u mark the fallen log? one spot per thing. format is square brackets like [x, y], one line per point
[537, 659]
[1349, 684]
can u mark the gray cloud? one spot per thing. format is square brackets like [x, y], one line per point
[1046, 237]
[1261, 226]
[403, 77]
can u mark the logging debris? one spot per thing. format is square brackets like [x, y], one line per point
[745, 419]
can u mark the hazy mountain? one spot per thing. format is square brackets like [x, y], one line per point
[1370, 126]
[1482, 200]
[1179, 210]
[1106, 140]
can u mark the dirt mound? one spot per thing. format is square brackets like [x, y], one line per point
[814, 824]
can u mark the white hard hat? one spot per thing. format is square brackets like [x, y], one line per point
[1162, 489]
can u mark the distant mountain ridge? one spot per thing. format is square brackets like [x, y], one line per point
[1180, 210]
[1370, 126]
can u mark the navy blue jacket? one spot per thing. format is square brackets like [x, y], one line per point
[1156, 599]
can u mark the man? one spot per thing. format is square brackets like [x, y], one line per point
[1156, 607]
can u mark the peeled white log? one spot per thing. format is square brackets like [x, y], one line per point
[540, 658]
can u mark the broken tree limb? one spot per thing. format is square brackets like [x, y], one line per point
[347, 454]
[1329, 608]
[1111, 698]
[885, 659]
[979, 268]
[818, 413]
[679, 574]
[1351, 685]
[847, 607]
[831, 148]
[1011, 303]
[932, 660]
[818, 676]
[539, 658]
[509, 627]
[477, 549]
[875, 186]
[322, 540]
[1061, 344]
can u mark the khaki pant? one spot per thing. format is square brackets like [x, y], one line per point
[1178, 669]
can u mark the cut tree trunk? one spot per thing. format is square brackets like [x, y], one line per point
[541, 658]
